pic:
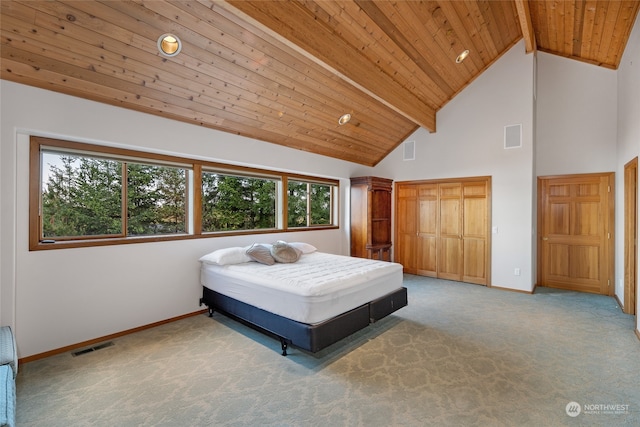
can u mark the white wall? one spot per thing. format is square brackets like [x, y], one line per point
[576, 123]
[628, 128]
[62, 297]
[469, 141]
[576, 117]
[577, 127]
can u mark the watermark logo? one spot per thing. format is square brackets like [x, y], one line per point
[605, 408]
[573, 409]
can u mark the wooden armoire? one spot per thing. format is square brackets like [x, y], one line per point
[371, 217]
[442, 228]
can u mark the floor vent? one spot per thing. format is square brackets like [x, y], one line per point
[90, 349]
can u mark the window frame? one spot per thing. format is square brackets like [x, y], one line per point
[194, 167]
[277, 179]
[333, 195]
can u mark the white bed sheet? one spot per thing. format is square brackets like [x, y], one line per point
[317, 287]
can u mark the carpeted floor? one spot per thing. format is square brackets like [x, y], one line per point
[458, 355]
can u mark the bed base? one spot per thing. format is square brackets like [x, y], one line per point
[312, 338]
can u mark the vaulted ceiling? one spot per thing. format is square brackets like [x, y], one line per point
[285, 71]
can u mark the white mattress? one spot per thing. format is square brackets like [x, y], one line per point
[317, 287]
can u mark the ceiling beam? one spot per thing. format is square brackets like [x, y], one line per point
[334, 55]
[524, 16]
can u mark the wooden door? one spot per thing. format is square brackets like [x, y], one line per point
[442, 229]
[576, 227]
[406, 227]
[475, 232]
[630, 235]
[450, 259]
[427, 230]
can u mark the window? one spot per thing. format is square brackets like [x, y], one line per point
[237, 202]
[83, 196]
[87, 195]
[309, 204]
[156, 199]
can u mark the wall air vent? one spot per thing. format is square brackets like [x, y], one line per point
[409, 150]
[513, 136]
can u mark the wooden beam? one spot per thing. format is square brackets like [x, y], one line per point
[524, 16]
[296, 30]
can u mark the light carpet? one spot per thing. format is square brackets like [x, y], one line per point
[457, 355]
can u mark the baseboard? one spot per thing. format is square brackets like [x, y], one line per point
[513, 290]
[619, 303]
[637, 333]
[104, 338]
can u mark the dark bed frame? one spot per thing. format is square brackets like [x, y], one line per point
[308, 337]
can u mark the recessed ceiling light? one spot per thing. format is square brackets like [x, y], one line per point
[462, 56]
[169, 45]
[344, 119]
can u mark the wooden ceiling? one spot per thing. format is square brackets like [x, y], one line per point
[285, 71]
[589, 31]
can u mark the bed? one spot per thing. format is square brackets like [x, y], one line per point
[308, 303]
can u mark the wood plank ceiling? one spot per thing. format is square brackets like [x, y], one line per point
[285, 71]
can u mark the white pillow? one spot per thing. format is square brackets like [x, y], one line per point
[305, 248]
[226, 256]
